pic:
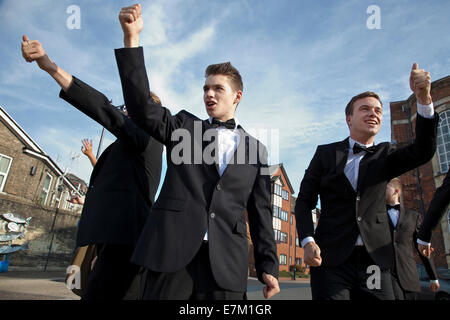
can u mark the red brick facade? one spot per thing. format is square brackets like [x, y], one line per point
[286, 241]
[429, 177]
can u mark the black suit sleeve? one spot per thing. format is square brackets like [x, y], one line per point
[260, 223]
[417, 153]
[307, 197]
[440, 201]
[97, 106]
[150, 116]
[427, 263]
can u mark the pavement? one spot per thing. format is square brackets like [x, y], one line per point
[39, 285]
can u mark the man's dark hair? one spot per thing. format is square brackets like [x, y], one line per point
[155, 97]
[349, 107]
[226, 69]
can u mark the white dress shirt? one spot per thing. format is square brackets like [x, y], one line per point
[228, 141]
[394, 214]
[351, 169]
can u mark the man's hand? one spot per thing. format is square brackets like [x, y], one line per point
[132, 24]
[425, 250]
[271, 287]
[76, 199]
[32, 50]
[434, 287]
[420, 84]
[312, 254]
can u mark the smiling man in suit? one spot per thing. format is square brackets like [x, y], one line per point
[404, 227]
[194, 245]
[122, 186]
[350, 177]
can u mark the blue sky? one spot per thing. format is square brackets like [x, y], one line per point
[301, 61]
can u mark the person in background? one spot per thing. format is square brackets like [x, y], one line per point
[440, 201]
[122, 186]
[404, 225]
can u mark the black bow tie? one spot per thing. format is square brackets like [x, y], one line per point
[395, 206]
[229, 124]
[358, 148]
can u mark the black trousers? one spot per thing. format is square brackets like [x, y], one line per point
[358, 278]
[399, 292]
[194, 282]
[113, 277]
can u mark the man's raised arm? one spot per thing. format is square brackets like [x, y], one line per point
[156, 121]
[32, 50]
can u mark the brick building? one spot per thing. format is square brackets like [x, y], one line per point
[32, 185]
[289, 250]
[419, 185]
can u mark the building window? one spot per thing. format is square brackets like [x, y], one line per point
[283, 237]
[276, 211]
[448, 221]
[284, 215]
[285, 195]
[277, 189]
[297, 243]
[5, 165]
[46, 188]
[277, 234]
[283, 259]
[443, 141]
[299, 261]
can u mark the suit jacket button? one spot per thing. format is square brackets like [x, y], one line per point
[212, 215]
[218, 187]
[359, 219]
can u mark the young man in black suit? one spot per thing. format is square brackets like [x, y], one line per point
[404, 225]
[122, 187]
[350, 177]
[439, 203]
[194, 244]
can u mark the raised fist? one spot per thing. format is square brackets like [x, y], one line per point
[131, 21]
[420, 84]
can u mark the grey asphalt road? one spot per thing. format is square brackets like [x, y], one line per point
[289, 290]
[26, 285]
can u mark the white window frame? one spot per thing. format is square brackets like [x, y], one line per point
[448, 220]
[49, 188]
[5, 175]
[285, 259]
[446, 115]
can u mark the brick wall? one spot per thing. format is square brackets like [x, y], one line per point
[39, 234]
[429, 175]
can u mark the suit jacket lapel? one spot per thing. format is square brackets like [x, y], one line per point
[341, 156]
[214, 167]
[401, 216]
[341, 161]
